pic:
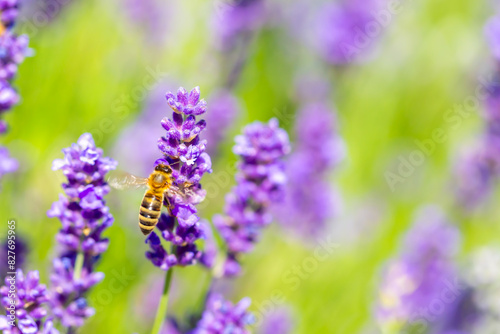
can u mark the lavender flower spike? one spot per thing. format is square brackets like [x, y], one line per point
[310, 201]
[260, 182]
[419, 276]
[221, 316]
[84, 217]
[184, 151]
[13, 49]
[28, 303]
[344, 30]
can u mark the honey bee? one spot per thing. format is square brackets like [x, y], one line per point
[159, 188]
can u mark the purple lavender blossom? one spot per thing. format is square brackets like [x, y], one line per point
[478, 169]
[7, 163]
[30, 299]
[9, 9]
[223, 111]
[310, 201]
[84, 217]
[260, 182]
[421, 273]
[343, 30]
[8, 96]
[184, 151]
[233, 20]
[221, 316]
[492, 33]
[13, 50]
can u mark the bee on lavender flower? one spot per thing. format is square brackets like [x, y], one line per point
[160, 187]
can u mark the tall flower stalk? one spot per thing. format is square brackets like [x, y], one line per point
[418, 277]
[478, 170]
[13, 49]
[311, 203]
[260, 181]
[84, 217]
[184, 151]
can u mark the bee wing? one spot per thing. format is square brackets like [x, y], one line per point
[123, 181]
[184, 191]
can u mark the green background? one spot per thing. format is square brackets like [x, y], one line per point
[428, 59]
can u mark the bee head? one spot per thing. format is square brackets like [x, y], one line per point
[163, 168]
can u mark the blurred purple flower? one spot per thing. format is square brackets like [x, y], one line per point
[150, 16]
[7, 164]
[280, 321]
[224, 107]
[310, 202]
[13, 50]
[477, 170]
[421, 274]
[9, 9]
[84, 217]
[344, 30]
[29, 303]
[221, 316]
[184, 151]
[492, 33]
[237, 18]
[260, 181]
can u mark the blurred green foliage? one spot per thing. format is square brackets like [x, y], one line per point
[428, 59]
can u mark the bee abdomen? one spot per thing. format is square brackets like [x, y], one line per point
[149, 212]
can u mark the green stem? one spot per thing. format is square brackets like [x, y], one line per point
[78, 266]
[163, 306]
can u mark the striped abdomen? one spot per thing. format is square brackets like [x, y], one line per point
[150, 211]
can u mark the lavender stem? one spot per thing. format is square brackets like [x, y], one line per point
[163, 305]
[78, 266]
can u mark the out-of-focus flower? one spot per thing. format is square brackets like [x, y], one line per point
[478, 169]
[7, 163]
[28, 301]
[221, 316]
[84, 217]
[424, 271]
[492, 33]
[224, 107]
[260, 181]
[237, 18]
[280, 321]
[9, 9]
[13, 49]
[347, 30]
[310, 202]
[151, 16]
[184, 151]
